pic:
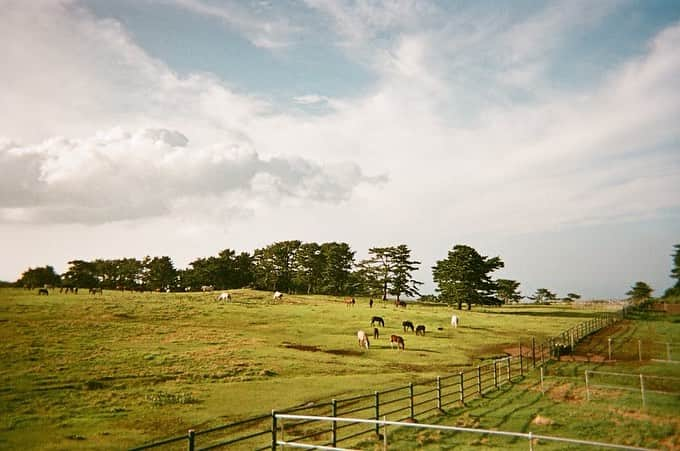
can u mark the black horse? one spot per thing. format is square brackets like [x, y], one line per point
[408, 325]
[420, 330]
[379, 320]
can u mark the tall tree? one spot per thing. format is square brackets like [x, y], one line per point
[160, 273]
[37, 277]
[507, 290]
[573, 297]
[339, 262]
[401, 279]
[274, 265]
[543, 294]
[640, 292]
[464, 277]
[377, 270]
[309, 267]
[82, 274]
[675, 273]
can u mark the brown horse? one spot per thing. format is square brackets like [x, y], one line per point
[350, 302]
[399, 341]
[420, 330]
[407, 325]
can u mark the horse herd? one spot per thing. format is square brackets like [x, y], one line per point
[394, 339]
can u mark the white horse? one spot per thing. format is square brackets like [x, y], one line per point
[206, 288]
[277, 295]
[363, 339]
[224, 297]
[454, 321]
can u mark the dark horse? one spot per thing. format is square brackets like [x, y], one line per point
[379, 320]
[408, 325]
[376, 333]
[399, 341]
[43, 291]
[420, 330]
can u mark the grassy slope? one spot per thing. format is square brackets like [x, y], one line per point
[86, 372]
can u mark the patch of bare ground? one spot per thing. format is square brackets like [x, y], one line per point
[312, 348]
[567, 393]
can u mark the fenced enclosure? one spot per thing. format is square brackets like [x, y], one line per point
[417, 400]
[644, 385]
[532, 439]
[624, 348]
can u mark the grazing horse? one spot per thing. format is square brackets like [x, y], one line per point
[420, 330]
[363, 339]
[379, 320]
[42, 291]
[205, 288]
[96, 290]
[454, 321]
[224, 297]
[350, 302]
[277, 295]
[399, 341]
[376, 333]
[407, 325]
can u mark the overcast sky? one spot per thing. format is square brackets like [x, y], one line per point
[547, 133]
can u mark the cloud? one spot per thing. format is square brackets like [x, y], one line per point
[121, 175]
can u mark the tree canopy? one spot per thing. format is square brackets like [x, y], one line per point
[464, 277]
[640, 292]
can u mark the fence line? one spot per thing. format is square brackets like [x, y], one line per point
[640, 377]
[410, 401]
[529, 436]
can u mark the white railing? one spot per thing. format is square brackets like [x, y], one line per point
[528, 436]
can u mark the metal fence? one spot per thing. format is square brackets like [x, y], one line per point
[644, 384]
[533, 439]
[421, 399]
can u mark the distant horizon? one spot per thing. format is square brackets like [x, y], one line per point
[543, 132]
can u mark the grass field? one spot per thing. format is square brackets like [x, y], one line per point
[122, 369]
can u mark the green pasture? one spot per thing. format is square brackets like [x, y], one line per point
[121, 369]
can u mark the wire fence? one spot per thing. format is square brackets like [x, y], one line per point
[423, 399]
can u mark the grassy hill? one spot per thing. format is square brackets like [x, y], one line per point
[114, 371]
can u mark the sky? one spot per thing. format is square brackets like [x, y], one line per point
[546, 133]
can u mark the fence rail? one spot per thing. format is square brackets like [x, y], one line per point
[416, 400]
[292, 442]
[643, 383]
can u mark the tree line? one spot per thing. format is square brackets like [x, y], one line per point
[464, 276]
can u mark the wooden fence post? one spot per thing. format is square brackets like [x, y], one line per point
[192, 439]
[462, 389]
[609, 347]
[377, 413]
[334, 425]
[521, 360]
[508, 362]
[479, 381]
[410, 396]
[495, 373]
[274, 426]
[533, 351]
[439, 393]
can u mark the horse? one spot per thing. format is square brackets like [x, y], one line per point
[363, 339]
[370, 303]
[376, 333]
[224, 296]
[379, 320]
[420, 330]
[277, 295]
[42, 291]
[399, 341]
[206, 288]
[407, 325]
[454, 321]
[96, 290]
[350, 302]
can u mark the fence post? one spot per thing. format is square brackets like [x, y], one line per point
[508, 362]
[377, 413]
[439, 393]
[192, 439]
[462, 392]
[495, 373]
[521, 360]
[609, 344]
[587, 388]
[410, 400]
[274, 426]
[479, 380]
[542, 358]
[640, 350]
[642, 391]
[533, 351]
[334, 425]
[542, 387]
